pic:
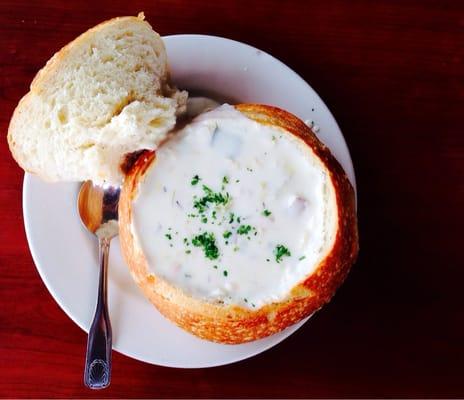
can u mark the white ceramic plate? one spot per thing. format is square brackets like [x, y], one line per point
[66, 254]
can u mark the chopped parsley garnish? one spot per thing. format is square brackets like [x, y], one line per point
[208, 243]
[186, 241]
[188, 251]
[210, 197]
[225, 273]
[243, 229]
[195, 180]
[204, 220]
[225, 180]
[266, 213]
[246, 300]
[231, 218]
[281, 251]
[301, 258]
[168, 235]
[215, 266]
[227, 234]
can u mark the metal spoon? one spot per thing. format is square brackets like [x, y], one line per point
[98, 209]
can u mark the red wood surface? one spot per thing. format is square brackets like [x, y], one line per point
[392, 73]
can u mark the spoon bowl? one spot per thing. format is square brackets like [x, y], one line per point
[98, 207]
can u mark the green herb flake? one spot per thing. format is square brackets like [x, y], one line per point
[236, 248]
[215, 266]
[301, 258]
[210, 197]
[225, 273]
[188, 251]
[195, 180]
[266, 213]
[281, 251]
[208, 242]
[227, 234]
[225, 180]
[243, 229]
[169, 236]
[231, 218]
[246, 300]
[186, 241]
[204, 220]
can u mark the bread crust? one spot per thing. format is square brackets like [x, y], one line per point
[231, 323]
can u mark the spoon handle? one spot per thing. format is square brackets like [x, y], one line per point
[97, 374]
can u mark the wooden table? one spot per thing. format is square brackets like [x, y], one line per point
[393, 75]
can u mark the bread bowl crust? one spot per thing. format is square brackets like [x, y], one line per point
[231, 323]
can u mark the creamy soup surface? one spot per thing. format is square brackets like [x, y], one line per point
[233, 211]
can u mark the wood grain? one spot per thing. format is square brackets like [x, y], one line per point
[393, 75]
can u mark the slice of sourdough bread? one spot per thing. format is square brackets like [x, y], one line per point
[105, 94]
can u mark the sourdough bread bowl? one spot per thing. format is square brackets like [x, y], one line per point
[239, 225]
